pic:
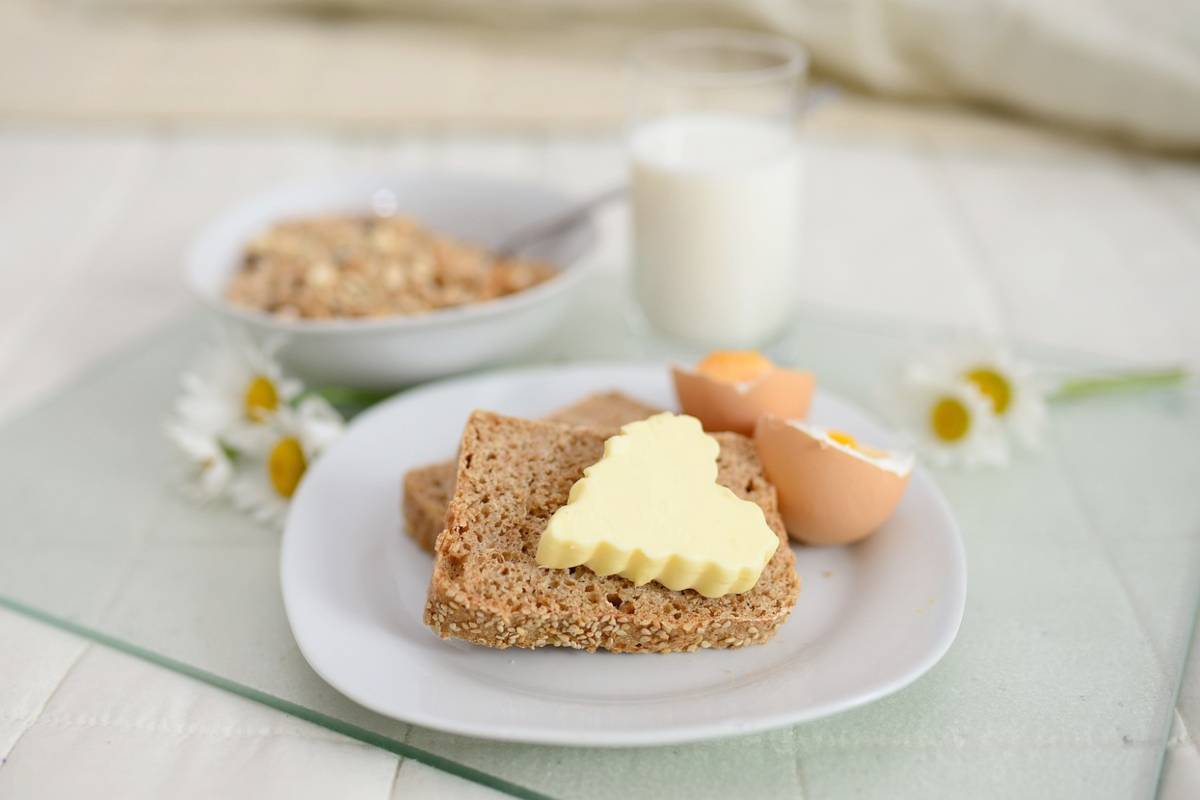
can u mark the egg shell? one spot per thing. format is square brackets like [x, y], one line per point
[826, 496]
[724, 406]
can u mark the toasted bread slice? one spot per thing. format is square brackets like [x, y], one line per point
[427, 492]
[487, 588]
[427, 489]
[606, 411]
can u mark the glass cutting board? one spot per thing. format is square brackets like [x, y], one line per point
[1084, 565]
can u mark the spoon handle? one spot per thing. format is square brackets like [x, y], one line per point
[557, 225]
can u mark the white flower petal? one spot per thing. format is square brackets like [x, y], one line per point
[215, 479]
[318, 425]
[1024, 419]
[289, 388]
[212, 410]
[208, 471]
[253, 494]
[983, 444]
[214, 391]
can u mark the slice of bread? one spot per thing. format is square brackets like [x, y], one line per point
[427, 489]
[607, 411]
[487, 588]
[427, 492]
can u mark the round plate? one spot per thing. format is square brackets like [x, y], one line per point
[870, 619]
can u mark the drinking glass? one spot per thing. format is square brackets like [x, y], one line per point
[716, 183]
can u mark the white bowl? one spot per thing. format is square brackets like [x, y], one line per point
[388, 352]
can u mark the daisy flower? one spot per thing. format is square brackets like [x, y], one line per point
[209, 467]
[1017, 398]
[953, 419]
[235, 390]
[295, 436]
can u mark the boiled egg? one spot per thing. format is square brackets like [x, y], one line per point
[832, 489]
[730, 389]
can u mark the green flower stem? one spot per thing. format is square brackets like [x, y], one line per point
[229, 450]
[1075, 388]
[347, 400]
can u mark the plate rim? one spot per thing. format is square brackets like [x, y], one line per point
[691, 732]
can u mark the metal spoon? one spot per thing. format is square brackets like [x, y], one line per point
[555, 226]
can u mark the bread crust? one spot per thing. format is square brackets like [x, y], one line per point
[486, 588]
[427, 489]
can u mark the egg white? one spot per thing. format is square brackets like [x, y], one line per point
[900, 464]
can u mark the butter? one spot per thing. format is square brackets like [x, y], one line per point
[651, 510]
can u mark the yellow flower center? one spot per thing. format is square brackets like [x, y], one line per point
[261, 399]
[994, 387]
[286, 465]
[950, 420]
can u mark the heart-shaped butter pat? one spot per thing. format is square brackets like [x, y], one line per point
[651, 510]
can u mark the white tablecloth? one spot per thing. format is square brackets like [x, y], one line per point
[912, 219]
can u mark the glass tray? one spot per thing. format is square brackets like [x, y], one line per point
[1082, 596]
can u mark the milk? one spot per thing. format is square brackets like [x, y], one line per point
[716, 207]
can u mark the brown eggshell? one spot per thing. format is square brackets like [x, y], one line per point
[826, 496]
[723, 406]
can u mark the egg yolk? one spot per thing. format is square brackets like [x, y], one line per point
[843, 438]
[994, 387]
[734, 366]
[950, 420]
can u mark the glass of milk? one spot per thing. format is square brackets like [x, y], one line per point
[716, 184]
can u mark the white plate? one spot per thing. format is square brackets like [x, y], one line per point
[870, 619]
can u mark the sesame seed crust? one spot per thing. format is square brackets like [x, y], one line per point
[486, 587]
[428, 489]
